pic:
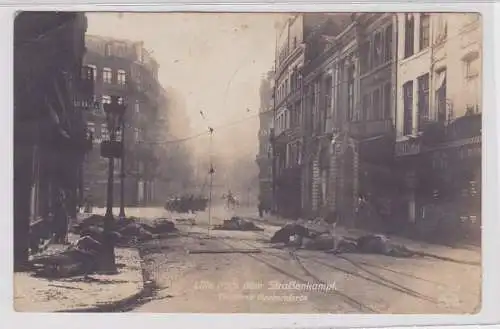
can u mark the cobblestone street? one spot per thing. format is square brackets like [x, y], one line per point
[301, 281]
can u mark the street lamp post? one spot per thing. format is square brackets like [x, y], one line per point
[111, 149]
[122, 171]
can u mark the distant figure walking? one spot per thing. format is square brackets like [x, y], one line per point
[231, 201]
[332, 218]
[261, 209]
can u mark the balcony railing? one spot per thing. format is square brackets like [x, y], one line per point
[408, 147]
[370, 128]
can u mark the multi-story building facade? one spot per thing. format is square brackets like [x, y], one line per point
[264, 157]
[125, 69]
[50, 138]
[438, 146]
[391, 115]
[349, 106]
[319, 97]
[288, 135]
[287, 113]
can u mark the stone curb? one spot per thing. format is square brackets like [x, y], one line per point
[122, 305]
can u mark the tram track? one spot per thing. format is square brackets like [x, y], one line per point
[291, 255]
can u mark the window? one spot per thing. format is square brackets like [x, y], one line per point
[388, 43]
[441, 29]
[91, 127]
[440, 95]
[118, 135]
[377, 115]
[350, 93]
[328, 102]
[104, 131]
[107, 75]
[365, 56]
[424, 31]
[137, 134]
[106, 99]
[423, 100]
[409, 35]
[387, 100]
[89, 72]
[315, 102]
[472, 68]
[408, 108]
[122, 77]
[298, 108]
[377, 49]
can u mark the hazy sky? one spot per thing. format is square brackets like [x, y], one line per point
[215, 61]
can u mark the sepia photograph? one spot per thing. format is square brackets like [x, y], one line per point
[293, 163]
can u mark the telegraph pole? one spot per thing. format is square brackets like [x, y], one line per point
[211, 173]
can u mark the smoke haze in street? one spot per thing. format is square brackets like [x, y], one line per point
[212, 63]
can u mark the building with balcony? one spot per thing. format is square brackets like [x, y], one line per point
[287, 114]
[50, 137]
[264, 157]
[319, 94]
[294, 49]
[438, 120]
[349, 102]
[122, 68]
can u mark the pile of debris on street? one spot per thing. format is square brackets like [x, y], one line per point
[83, 255]
[302, 237]
[238, 224]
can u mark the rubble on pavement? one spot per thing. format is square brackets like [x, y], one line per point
[288, 231]
[73, 293]
[81, 257]
[238, 224]
[299, 235]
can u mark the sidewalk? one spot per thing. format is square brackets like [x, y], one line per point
[466, 255]
[32, 294]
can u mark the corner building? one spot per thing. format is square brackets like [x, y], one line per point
[122, 68]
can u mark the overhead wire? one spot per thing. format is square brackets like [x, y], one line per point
[205, 133]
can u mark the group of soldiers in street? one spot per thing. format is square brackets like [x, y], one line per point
[186, 204]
